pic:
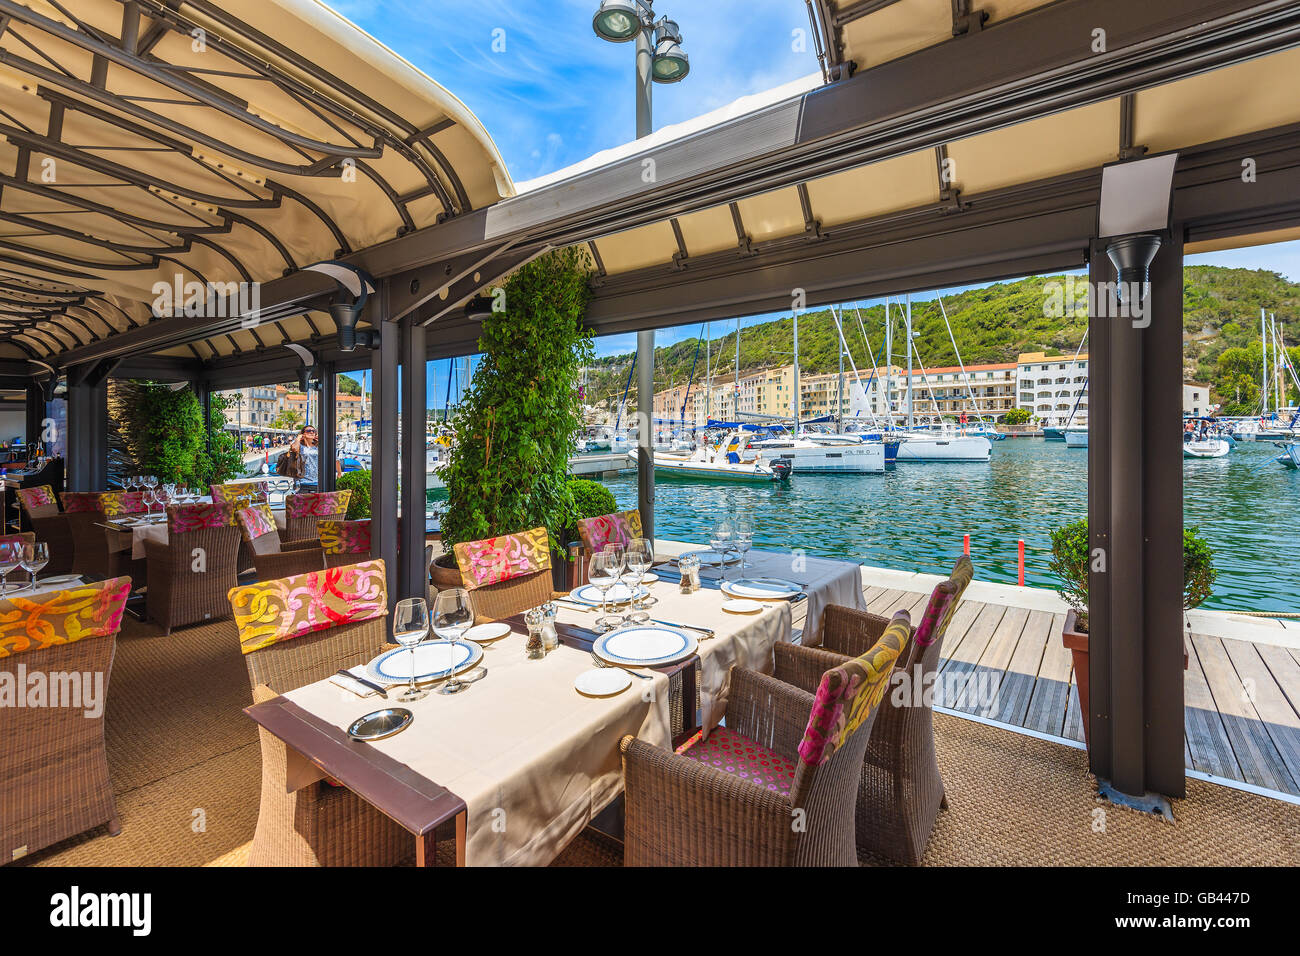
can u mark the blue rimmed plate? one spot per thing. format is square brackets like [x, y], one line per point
[620, 593]
[433, 660]
[648, 645]
[762, 589]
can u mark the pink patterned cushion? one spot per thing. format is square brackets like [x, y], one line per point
[494, 560]
[619, 528]
[183, 518]
[75, 502]
[741, 757]
[256, 520]
[344, 537]
[122, 503]
[38, 497]
[272, 611]
[943, 602]
[323, 503]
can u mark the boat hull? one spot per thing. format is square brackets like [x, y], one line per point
[1053, 434]
[1077, 439]
[858, 458]
[1206, 449]
[924, 448]
[713, 471]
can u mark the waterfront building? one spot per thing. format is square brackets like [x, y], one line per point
[1196, 400]
[1049, 386]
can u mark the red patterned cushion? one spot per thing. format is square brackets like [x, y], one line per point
[739, 756]
[195, 517]
[619, 528]
[255, 521]
[81, 501]
[344, 537]
[323, 503]
[38, 497]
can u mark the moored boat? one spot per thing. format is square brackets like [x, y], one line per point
[1209, 448]
[1076, 438]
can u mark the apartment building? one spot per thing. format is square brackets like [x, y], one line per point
[1049, 386]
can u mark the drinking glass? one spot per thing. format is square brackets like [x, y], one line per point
[743, 538]
[147, 497]
[602, 575]
[640, 555]
[720, 540]
[11, 556]
[453, 615]
[410, 627]
[35, 556]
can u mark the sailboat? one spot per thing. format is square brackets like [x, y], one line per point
[726, 460]
[1206, 448]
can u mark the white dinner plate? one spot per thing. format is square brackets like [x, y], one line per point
[648, 578]
[620, 593]
[741, 606]
[487, 632]
[765, 589]
[603, 681]
[433, 659]
[711, 558]
[58, 579]
[644, 645]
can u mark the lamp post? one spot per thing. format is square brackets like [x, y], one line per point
[659, 59]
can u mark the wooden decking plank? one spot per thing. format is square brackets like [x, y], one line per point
[1073, 729]
[885, 601]
[1050, 700]
[984, 685]
[1262, 712]
[965, 657]
[1207, 738]
[965, 616]
[1285, 669]
[1012, 704]
[870, 593]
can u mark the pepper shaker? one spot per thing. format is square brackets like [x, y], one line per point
[550, 639]
[535, 648]
[689, 566]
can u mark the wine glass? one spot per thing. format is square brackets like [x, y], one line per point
[410, 627]
[35, 556]
[640, 555]
[743, 538]
[602, 574]
[11, 556]
[453, 615]
[147, 497]
[720, 540]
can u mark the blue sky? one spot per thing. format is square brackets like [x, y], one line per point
[557, 93]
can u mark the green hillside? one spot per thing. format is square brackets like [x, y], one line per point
[995, 324]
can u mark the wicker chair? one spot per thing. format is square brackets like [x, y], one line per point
[344, 542]
[54, 780]
[272, 558]
[901, 792]
[508, 574]
[99, 551]
[775, 786]
[180, 592]
[40, 508]
[235, 496]
[320, 824]
[48, 477]
[303, 511]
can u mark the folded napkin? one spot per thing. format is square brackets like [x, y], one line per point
[348, 684]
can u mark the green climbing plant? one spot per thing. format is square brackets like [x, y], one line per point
[508, 469]
[163, 432]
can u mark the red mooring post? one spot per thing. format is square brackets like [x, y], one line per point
[965, 545]
[1022, 562]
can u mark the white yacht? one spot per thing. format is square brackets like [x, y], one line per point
[830, 455]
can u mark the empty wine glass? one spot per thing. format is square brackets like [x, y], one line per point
[35, 556]
[11, 556]
[602, 575]
[720, 540]
[147, 496]
[743, 538]
[410, 627]
[453, 615]
[640, 555]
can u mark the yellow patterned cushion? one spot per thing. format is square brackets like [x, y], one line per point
[62, 617]
[619, 528]
[273, 611]
[255, 520]
[494, 560]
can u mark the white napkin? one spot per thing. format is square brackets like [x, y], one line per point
[348, 684]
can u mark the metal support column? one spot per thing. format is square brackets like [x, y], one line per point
[383, 440]
[645, 458]
[1135, 507]
[413, 577]
[327, 427]
[87, 463]
[35, 413]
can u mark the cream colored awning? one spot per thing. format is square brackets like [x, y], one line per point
[214, 142]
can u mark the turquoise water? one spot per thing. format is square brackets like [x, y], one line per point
[913, 517]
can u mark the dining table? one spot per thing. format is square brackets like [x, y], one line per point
[153, 527]
[519, 762]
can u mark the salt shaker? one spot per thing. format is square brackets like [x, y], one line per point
[689, 566]
[535, 619]
[550, 639]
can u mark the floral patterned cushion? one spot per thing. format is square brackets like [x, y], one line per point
[62, 617]
[741, 757]
[122, 503]
[273, 611]
[39, 497]
[195, 517]
[848, 694]
[943, 602]
[241, 494]
[344, 537]
[75, 502]
[494, 560]
[255, 520]
[619, 528]
[306, 504]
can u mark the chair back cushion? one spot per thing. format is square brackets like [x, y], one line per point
[344, 537]
[196, 517]
[270, 612]
[618, 528]
[507, 556]
[943, 602]
[41, 496]
[62, 617]
[75, 502]
[255, 521]
[241, 494]
[323, 503]
[114, 503]
[848, 694]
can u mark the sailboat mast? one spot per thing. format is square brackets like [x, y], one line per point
[1263, 376]
[910, 418]
[794, 402]
[839, 397]
[735, 400]
[1277, 363]
[889, 361]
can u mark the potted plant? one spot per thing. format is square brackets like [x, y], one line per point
[508, 470]
[1071, 562]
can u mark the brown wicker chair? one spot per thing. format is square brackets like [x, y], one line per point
[319, 824]
[98, 550]
[304, 510]
[902, 791]
[273, 558]
[40, 506]
[775, 786]
[186, 587]
[507, 574]
[54, 780]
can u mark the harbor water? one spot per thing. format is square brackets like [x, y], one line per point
[913, 517]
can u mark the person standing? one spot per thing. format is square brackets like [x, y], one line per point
[304, 451]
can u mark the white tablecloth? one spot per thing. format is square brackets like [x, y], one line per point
[157, 531]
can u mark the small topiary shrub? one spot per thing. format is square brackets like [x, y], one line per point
[590, 500]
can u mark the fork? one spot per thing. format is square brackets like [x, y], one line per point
[601, 662]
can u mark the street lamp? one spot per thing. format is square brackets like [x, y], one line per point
[659, 54]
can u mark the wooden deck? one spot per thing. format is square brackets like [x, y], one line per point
[1005, 663]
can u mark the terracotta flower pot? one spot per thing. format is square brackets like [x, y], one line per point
[444, 573]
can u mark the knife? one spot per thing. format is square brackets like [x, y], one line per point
[689, 627]
[382, 692]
